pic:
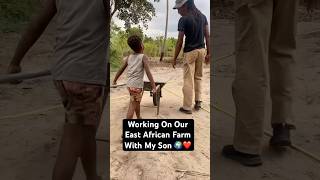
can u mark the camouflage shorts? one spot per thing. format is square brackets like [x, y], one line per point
[135, 94]
[83, 103]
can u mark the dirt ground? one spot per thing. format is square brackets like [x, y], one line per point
[161, 165]
[32, 117]
[291, 164]
[29, 141]
[31, 121]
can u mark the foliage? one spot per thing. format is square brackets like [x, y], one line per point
[15, 13]
[152, 46]
[133, 11]
[135, 31]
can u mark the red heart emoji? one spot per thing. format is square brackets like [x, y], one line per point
[186, 144]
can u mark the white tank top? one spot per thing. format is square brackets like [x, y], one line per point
[135, 71]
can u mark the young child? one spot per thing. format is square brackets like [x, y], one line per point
[137, 63]
[79, 73]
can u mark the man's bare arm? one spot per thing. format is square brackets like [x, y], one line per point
[207, 37]
[148, 72]
[33, 32]
[178, 47]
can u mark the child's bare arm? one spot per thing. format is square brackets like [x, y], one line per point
[32, 33]
[148, 72]
[123, 67]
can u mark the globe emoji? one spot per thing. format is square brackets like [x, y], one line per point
[178, 145]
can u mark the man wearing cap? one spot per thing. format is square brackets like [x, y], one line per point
[265, 41]
[194, 26]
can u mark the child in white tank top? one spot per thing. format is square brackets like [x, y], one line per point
[137, 63]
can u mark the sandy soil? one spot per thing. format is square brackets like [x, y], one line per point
[291, 164]
[32, 117]
[31, 121]
[29, 142]
[161, 165]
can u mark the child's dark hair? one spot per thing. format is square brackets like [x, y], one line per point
[135, 42]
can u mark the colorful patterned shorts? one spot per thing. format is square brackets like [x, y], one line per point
[135, 94]
[83, 103]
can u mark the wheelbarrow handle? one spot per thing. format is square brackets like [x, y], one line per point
[115, 86]
[23, 76]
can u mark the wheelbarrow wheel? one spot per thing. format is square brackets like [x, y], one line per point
[155, 102]
[156, 99]
[156, 96]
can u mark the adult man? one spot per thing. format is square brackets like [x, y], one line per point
[194, 25]
[265, 40]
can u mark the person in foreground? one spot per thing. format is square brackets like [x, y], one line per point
[265, 45]
[79, 73]
[137, 64]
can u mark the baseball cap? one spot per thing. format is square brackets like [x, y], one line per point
[179, 3]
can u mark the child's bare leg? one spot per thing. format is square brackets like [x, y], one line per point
[78, 139]
[137, 109]
[88, 154]
[131, 110]
[69, 151]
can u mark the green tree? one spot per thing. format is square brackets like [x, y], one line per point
[131, 12]
[118, 45]
[135, 31]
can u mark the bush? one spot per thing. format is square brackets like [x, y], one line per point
[120, 49]
[15, 13]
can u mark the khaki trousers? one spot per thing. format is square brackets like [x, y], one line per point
[265, 45]
[192, 76]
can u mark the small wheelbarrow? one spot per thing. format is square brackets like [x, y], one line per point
[156, 97]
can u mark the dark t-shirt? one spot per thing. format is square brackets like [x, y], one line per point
[81, 42]
[193, 28]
